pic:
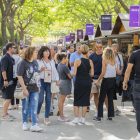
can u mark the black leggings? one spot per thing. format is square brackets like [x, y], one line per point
[107, 88]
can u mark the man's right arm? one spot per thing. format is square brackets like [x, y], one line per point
[72, 60]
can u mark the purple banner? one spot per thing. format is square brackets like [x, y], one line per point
[60, 41]
[79, 34]
[21, 43]
[106, 22]
[54, 42]
[72, 36]
[67, 38]
[139, 15]
[89, 29]
[133, 16]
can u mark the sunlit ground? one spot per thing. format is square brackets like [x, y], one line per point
[123, 127]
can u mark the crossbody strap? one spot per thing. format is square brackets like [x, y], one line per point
[119, 60]
[85, 67]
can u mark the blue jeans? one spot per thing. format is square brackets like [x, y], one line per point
[74, 78]
[33, 99]
[29, 109]
[45, 87]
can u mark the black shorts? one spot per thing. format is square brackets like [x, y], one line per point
[8, 93]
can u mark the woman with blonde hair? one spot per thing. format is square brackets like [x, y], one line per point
[109, 70]
[25, 71]
[83, 69]
[65, 81]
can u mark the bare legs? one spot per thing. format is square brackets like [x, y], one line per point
[5, 106]
[61, 102]
[76, 111]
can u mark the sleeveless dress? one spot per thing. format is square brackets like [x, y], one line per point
[83, 84]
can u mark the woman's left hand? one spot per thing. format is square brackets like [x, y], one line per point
[96, 83]
[57, 83]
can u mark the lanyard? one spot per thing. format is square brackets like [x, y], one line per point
[13, 61]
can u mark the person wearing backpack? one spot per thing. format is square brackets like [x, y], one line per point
[119, 60]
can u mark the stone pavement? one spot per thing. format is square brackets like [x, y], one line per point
[123, 126]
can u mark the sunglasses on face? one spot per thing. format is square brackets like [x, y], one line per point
[99, 47]
[14, 47]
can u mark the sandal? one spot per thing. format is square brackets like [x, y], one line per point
[133, 110]
[47, 123]
[11, 107]
[16, 107]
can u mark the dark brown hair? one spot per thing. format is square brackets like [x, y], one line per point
[59, 56]
[40, 52]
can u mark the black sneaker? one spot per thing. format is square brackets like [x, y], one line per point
[58, 114]
[109, 119]
[51, 114]
[96, 120]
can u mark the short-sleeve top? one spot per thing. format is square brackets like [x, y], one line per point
[63, 71]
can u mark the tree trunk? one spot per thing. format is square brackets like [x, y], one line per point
[12, 28]
[21, 34]
[3, 29]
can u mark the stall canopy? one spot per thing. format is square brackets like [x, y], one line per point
[102, 33]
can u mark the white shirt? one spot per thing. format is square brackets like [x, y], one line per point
[50, 66]
[17, 60]
[118, 61]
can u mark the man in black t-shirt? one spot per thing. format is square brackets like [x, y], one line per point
[134, 61]
[97, 62]
[7, 63]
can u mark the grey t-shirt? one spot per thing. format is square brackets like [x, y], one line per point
[26, 70]
[63, 70]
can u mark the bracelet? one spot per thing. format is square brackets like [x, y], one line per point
[124, 83]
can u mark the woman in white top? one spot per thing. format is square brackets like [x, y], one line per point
[109, 70]
[45, 62]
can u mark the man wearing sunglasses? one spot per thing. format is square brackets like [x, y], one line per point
[97, 62]
[7, 63]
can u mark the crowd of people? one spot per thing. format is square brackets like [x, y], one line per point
[48, 71]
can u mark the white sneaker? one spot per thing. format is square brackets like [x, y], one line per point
[25, 126]
[82, 120]
[35, 128]
[96, 114]
[138, 136]
[75, 121]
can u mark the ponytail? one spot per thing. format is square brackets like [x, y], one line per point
[59, 56]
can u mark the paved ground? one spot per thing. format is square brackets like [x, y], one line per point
[123, 127]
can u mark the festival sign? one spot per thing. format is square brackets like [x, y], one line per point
[106, 22]
[134, 16]
[89, 29]
[79, 34]
[67, 38]
[72, 36]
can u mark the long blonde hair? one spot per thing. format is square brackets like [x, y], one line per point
[108, 54]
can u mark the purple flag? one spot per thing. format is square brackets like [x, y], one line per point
[139, 15]
[21, 43]
[72, 36]
[67, 38]
[89, 29]
[106, 22]
[133, 16]
[79, 34]
[60, 41]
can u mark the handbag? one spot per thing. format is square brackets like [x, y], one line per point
[19, 94]
[54, 88]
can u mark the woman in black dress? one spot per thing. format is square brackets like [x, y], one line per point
[83, 69]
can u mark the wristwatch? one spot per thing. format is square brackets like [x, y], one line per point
[5, 80]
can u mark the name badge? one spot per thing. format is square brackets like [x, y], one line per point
[47, 76]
